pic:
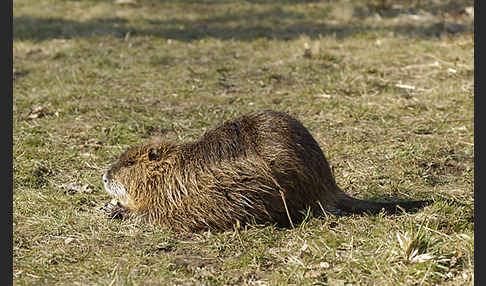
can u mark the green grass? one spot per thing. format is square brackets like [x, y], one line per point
[385, 88]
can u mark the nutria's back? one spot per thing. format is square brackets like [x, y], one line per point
[261, 167]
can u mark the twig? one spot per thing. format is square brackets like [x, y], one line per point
[286, 209]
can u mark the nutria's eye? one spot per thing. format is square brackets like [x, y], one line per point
[130, 163]
[153, 154]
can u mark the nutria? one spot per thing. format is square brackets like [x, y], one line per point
[262, 167]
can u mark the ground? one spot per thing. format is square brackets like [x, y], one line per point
[385, 87]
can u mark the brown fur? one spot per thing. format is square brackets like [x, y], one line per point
[262, 167]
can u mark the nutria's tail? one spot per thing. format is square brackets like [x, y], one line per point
[352, 205]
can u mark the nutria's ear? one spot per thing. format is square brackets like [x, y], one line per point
[154, 154]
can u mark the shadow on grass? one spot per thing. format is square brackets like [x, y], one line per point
[244, 26]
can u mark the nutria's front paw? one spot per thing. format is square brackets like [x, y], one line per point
[114, 210]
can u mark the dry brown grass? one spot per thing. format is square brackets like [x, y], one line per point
[386, 90]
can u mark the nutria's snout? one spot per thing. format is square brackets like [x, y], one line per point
[111, 187]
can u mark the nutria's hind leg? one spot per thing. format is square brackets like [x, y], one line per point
[115, 211]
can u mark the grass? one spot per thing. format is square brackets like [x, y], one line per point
[385, 88]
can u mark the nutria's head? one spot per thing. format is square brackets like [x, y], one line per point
[133, 177]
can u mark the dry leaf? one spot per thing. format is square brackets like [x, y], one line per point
[72, 188]
[323, 95]
[421, 258]
[468, 11]
[307, 51]
[121, 2]
[405, 86]
[38, 112]
[324, 265]
[68, 240]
